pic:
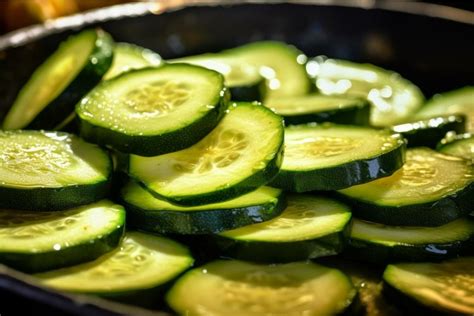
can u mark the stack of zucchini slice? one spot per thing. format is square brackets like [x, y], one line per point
[256, 156]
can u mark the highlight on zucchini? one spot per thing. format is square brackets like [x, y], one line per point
[332, 157]
[145, 212]
[241, 154]
[54, 88]
[431, 189]
[426, 288]
[153, 111]
[38, 241]
[461, 145]
[241, 288]
[49, 171]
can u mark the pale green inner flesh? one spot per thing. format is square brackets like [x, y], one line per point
[460, 229]
[463, 148]
[316, 147]
[240, 288]
[306, 217]
[426, 176]
[310, 104]
[128, 56]
[36, 232]
[136, 195]
[50, 79]
[448, 285]
[153, 101]
[227, 155]
[49, 159]
[140, 262]
[458, 101]
[393, 97]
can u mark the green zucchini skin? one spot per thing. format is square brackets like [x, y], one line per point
[91, 74]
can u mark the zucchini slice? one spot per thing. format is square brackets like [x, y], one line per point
[136, 272]
[310, 227]
[241, 154]
[331, 157]
[428, 287]
[458, 145]
[38, 241]
[61, 81]
[241, 288]
[145, 212]
[381, 244]
[429, 132]
[49, 171]
[431, 189]
[129, 56]
[459, 101]
[321, 108]
[394, 99]
[153, 111]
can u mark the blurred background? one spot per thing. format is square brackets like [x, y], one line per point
[15, 14]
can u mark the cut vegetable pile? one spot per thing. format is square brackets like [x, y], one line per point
[255, 153]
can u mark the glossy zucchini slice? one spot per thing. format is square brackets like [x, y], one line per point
[38, 241]
[145, 212]
[431, 189]
[321, 108]
[383, 244]
[331, 157]
[153, 111]
[137, 272]
[49, 171]
[241, 154]
[241, 288]
[393, 98]
[61, 81]
[427, 288]
[310, 227]
[458, 145]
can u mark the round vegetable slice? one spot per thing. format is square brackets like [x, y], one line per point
[153, 111]
[241, 154]
[241, 288]
[458, 145]
[38, 241]
[48, 171]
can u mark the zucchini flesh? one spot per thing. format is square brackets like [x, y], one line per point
[458, 145]
[444, 287]
[431, 189]
[38, 241]
[153, 111]
[145, 212]
[331, 157]
[241, 288]
[310, 227]
[393, 98]
[228, 162]
[141, 263]
[51, 171]
[58, 84]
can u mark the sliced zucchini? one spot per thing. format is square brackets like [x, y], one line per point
[136, 272]
[428, 287]
[331, 157]
[48, 171]
[145, 212]
[128, 56]
[321, 108]
[310, 227]
[153, 111]
[429, 132]
[431, 189]
[241, 288]
[459, 101]
[241, 154]
[61, 81]
[394, 98]
[381, 244]
[458, 145]
[38, 241]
